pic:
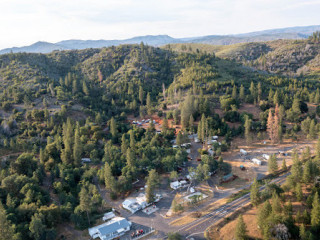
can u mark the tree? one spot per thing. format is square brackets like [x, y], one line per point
[298, 192]
[315, 212]
[254, 193]
[263, 214]
[85, 203]
[113, 127]
[241, 229]
[174, 236]
[149, 104]
[109, 179]
[191, 123]
[307, 172]
[234, 92]
[152, 183]
[241, 94]
[6, 229]
[284, 165]
[312, 130]
[179, 139]
[141, 94]
[272, 164]
[247, 127]
[37, 226]
[165, 125]
[77, 148]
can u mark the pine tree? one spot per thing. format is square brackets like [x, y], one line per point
[270, 127]
[263, 214]
[113, 128]
[254, 193]
[191, 123]
[241, 229]
[296, 170]
[124, 145]
[276, 204]
[130, 158]
[85, 203]
[179, 139]
[141, 94]
[298, 192]
[247, 127]
[307, 172]
[132, 140]
[284, 165]
[6, 229]
[234, 92]
[317, 149]
[109, 179]
[165, 125]
[312, 130]
[152, 182]
[149, 104]
[77, 148]
[315, 212]
[241, 94]
[272, 164]
[37, 226]
[296, 106]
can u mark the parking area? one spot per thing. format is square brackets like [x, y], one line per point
[137, 231]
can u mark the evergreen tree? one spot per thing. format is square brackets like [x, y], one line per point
[6, 229]
[272, 164]
[152, 182]
[191, 123]
[276, 204]
[312, 130]
[307, 172]
[149, 104]
[241, 94]
[179, 139]
[85, 203]
[254, 193]
[141, 94]
[113, 128]
[132, 140]
[263, 214]
[109, 179]
[165, 125]
[124, 145]
[298, 192]
[247, 127]
[37, 226]
[77, 149]
[234, 92]
[241, 229]
[296, 106]
[315, 212]
[296, 170]
[284, 165]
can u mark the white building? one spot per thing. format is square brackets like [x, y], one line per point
[256, 161]
[266, 156]
[178, 184]
[243, 152]
[112, 229]
[132, 205]
[108, 216]
[86, 160]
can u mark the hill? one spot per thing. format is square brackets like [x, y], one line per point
[288, 57]
[159, 40]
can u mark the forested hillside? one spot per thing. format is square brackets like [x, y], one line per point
[288, 57]
[61, 107]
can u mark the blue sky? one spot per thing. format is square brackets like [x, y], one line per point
[24, 22]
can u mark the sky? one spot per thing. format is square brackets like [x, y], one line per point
[25, 22]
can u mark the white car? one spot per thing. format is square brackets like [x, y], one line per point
[197, 140]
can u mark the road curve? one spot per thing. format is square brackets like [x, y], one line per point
[197, 228]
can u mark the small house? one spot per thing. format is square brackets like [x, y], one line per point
[256, 161]
[112, 229]
[86, 160]
[131, 205]
[108, 216]
[243, 152]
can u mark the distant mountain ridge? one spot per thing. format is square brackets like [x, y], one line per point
[158, 40]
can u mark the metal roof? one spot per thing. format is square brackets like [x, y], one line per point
[114, 226]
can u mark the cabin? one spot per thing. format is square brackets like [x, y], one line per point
[256, 161]
[131, 205]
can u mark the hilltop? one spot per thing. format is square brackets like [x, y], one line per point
[159, 40]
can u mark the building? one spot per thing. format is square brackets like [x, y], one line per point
[178, 184]
[256, 161]
[107, 216]
[86, 160]
[132, 205]
[112, 229]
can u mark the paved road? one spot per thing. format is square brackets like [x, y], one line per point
[197, 228]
